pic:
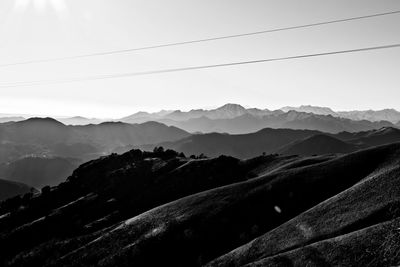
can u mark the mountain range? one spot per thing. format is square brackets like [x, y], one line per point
[162, 209]
[390, 115]
[233, 118]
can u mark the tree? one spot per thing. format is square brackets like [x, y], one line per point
[158, 150]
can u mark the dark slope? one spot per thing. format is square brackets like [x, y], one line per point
[10, 189]
[371, 202]
[318, 145]
[39, 172]
[240, 146]
[197, 228]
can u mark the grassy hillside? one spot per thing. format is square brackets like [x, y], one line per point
[372, 201]
[189, 212]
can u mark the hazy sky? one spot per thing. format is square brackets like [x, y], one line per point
[40, 29]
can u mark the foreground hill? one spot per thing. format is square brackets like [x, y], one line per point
[103, 192]
[124, 210]
[10, 189]
[357, 227]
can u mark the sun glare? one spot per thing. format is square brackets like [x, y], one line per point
[41, 5]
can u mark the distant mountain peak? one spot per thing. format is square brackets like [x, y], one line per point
[41, 120]
[79, 118]
[231, 106]
[310, 109]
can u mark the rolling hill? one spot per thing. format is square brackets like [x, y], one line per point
[241, 146]
[318, 145]
[283, 141]
[125, 209]
[355, 227]
[385, 135]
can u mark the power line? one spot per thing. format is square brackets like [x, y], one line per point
[197, 40]
[131, 74]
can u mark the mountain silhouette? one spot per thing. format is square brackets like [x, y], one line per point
[47, 137]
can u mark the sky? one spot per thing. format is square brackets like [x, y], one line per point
[43, 29]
